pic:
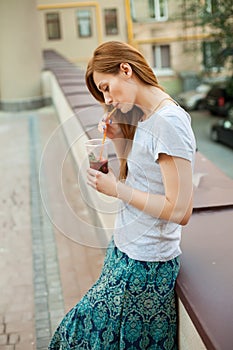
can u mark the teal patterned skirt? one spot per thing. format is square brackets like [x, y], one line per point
[131, 306]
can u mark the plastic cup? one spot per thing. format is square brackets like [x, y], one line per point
[98, 154]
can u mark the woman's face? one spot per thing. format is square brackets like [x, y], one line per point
[118, 90]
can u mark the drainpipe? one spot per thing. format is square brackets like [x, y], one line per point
[129, 22]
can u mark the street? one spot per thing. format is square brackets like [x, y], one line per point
[219, 154]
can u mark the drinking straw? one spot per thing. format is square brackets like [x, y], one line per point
[105, 131]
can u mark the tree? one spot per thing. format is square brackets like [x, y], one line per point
[216, 18]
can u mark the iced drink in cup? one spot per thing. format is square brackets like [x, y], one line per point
[97, 151]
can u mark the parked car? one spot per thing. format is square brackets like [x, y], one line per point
[219, 101]
[194, 99]
[222, 131]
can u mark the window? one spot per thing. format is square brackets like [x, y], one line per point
[84, 23]
[162, 57]
[147, 10]
[210, 55]
[53, 26]
[110, 20]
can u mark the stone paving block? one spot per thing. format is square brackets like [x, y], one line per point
[40, 289]
[2, 328]
[13, 338]
[57, 314]
[54, 285]
[41, 300]
[8, 347]
[52, 275]
[42, 324]
[25, 346]
[39, 279]
[27, 337]
[56, 305]
[42, 343]
[20, 308]
[3, 339]
[19, 326]
[52, 271]
[13, 316]
[41, 307]
[41, 315]
[42, 333]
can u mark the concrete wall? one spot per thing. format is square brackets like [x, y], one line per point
[20, 54]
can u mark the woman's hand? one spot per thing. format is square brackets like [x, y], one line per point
[104, 183]
[113, 128]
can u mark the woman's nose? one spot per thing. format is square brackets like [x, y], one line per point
[108, 99]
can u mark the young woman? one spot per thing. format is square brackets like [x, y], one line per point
[133, 305]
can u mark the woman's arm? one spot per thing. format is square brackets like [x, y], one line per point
[175, 205]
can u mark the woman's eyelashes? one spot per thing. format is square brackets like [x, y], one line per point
[106, 89]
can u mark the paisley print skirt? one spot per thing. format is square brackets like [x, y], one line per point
[131, 306]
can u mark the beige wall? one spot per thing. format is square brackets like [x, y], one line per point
[20, 53]
[183, 40]
[172, 32]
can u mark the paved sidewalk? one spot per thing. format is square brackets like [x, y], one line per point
[43, 272]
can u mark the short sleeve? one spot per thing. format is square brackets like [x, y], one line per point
[173, 135]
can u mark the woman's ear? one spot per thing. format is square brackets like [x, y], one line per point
[126, 69]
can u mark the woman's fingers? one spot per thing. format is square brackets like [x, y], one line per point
[104, 183]
[92, 178]
[103, 125]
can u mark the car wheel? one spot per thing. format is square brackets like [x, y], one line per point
[213, 113]
[214, 135]
[200, 105]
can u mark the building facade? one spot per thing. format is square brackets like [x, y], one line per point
[158, 28]
[75, 29]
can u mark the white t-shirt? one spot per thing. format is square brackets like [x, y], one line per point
[140, 235]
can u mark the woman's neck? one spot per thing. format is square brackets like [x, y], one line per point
[150, 99]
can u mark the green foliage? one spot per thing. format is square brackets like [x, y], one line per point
[217, 16]
[91, 157]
